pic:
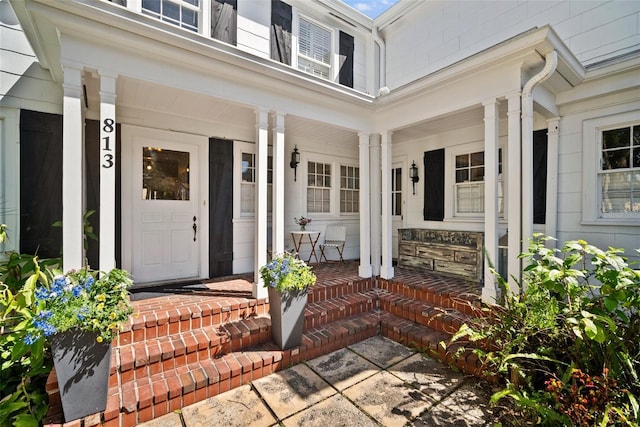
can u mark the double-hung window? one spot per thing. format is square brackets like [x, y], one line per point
[314, 49]
[469, 188]
[396, 191]
[318, 187]
[349, 189]
[183, 13]
[248, 184]
[619, 175]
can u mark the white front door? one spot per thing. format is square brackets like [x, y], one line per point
[165, 220]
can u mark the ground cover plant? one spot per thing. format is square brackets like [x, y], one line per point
[566, 347]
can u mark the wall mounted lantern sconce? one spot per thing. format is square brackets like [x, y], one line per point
[295, 160]
[413, 174]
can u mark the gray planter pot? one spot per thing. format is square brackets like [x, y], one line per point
[287, 317]
[82, 368]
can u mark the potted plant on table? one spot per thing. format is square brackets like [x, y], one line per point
[79, 313]
[302, 222]
[287, 279]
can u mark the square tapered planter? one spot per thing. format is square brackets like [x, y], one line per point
[287, 316]
[82, 368]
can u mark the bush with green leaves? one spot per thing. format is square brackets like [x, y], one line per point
[572, 328]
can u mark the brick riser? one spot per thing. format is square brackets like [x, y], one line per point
[167, 359]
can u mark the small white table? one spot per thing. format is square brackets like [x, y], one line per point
[299, 240]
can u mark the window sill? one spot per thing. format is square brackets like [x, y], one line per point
[635, 222]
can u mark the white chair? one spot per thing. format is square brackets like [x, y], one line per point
[334, 237]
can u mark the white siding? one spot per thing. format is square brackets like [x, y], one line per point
[436, 34]
[254, 19]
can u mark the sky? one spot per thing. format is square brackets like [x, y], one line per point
[371, 8]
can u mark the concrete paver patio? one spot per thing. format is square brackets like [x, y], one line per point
[371, 383]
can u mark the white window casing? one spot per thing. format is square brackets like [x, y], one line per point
[611, 170]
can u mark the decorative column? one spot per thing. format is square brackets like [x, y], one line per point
[514, 188]
[72, 171]
[374, 204]
[277, 214]
[386, 272]
[365, 218]
[262, 153]
[491, 126]
[551, 214]
[107, 161]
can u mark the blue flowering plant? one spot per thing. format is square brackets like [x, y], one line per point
[287, 273]
[81, 299]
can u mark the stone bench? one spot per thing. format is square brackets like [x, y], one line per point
[455, 253]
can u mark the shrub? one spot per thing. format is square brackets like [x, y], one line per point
[570, 331]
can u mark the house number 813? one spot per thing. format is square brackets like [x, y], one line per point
[107, 127]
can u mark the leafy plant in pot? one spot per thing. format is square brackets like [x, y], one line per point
[79, 313]
[288, 280]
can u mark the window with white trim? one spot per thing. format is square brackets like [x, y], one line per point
[619, 174]
[314, 49]
[318, 187]
[248, 184]
[469, 187]
[183, 13]
[349, 189]
[396, 191]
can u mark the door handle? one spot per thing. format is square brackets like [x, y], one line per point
[195, 228]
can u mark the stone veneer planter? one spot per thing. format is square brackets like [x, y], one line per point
[455, 253]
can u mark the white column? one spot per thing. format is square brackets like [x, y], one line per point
[107, 163]
[551, 215]
[527, 170]
[490, 197]
[365, 218]
[262, 153]
[514, 196]
[72, 171]
[277, 214]
[375, 205]
[386, 271]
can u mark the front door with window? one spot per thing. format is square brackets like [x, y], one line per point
[166, 227]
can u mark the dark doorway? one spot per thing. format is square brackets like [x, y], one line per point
[220, 207]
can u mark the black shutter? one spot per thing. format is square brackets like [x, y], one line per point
[224, 18]
[346, 59]
[40, 183]
[220, 207]
[281, 17]
[434, 185]
[540, 176]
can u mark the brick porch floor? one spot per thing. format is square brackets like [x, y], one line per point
[188, 344]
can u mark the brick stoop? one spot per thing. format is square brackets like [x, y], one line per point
[180, 349]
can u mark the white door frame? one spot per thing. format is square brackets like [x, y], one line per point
[129, 133]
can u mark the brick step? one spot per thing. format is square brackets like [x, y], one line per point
[160, 317]
[141, 359]
[141, 399]
[337, 308]
[447, 320]
[445, 292]
[336, 288]
[428, 341]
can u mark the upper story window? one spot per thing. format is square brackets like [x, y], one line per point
[183, 13]
[619, 175]
[314, 49]
[349, 189]
[318, 187]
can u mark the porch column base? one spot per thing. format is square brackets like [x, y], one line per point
[365, 271]
[489, 294]
[387, 272]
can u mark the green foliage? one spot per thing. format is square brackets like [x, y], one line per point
[572, 329]
[24, 368]
[286, 272]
